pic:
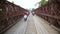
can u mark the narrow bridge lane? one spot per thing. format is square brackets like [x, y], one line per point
[33, 25]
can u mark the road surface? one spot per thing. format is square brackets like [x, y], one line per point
[33, 25]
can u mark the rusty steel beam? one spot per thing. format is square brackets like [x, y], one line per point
[56, 17]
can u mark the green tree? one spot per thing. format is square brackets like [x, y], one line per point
[43, 2]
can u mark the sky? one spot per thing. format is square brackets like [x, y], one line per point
[27, 4]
